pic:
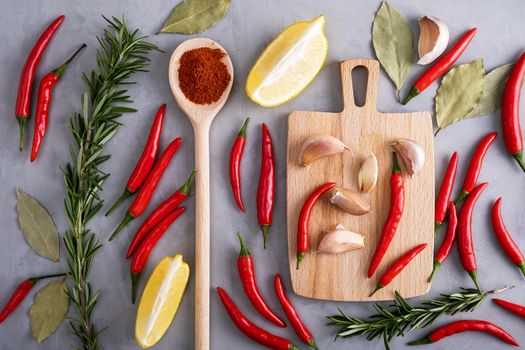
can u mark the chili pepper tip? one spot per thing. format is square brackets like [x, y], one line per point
[519, 158]
[463, 194]
[244, 250]
[265, 228]
[60, 69]
[123, 224]
[437, 225]
[474, 275]
[396, 169]
[134, 281]
[120, 199]
[242, 131]
[411, 94]
[34, 280]
[312, 344]
[422, 341]
[293, 347]
[522, 267]
[378, 287]
[22, 123]
[186, 187]
[300, 257]
[437, 265]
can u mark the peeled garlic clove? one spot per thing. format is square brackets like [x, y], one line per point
[412, 155]
[350, 201]
[339, 241]
[367, 176]
[433, 39]
[319, 146]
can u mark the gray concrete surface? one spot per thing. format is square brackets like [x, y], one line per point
[247, 28]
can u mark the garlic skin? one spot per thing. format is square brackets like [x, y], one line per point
[367, 176]
[340, 240]
[319, 146]
[412, 155]
[433, 39]
[350, 201]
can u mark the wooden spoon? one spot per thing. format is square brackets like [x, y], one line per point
[201, 117]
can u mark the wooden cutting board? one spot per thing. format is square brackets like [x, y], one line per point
[342, 277]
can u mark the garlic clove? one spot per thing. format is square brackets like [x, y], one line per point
[433, 39]
[319, 146]
[412, 155]
[340, 240]
[350, 201]
[367, 176]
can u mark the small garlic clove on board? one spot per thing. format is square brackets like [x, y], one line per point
[433, 39]
[340, 240]
[412, 155]
[367, 176]
[350, 201]
[319, 146]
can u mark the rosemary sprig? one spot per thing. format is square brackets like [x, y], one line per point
[402, 317]
[121, 54]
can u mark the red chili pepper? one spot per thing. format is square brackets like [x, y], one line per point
[150, 184]
[466, 326]
[146, 160]
[266, 189]
[235, 164]
[465, 244]
[246, 269]
[441, 66]
[505, 240]
[144, 250]
[303, 237]
[474, 167]
[250, 329]
[443, 199]
[43, 105]
[160, 213]
[398, 266]
[517, 309]
[397, 203]
[448, 241]
[27, 76]
[294, 318]
[510, 112]
[20, 293]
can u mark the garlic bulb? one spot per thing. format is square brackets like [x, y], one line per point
[367, 176]
[350, 201]
[319, 146]
[340, 240]
[412, 155]
[433, 39]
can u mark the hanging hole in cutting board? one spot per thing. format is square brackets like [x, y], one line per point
[359, 83]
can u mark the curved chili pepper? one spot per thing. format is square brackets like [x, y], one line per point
[150, 184]
[398, 266]
[397, 203]
[160, 213]
[510, 112]
[448, 241]
[466, 326]
[235, 164]
[294, 318]
[43, 105]
[443, 199]
[250, 329]
[515, 308]
[20, 293]
[465, 244]
[303, 237]
[146, 160]
[441, 66]
[474, 168]
[266, 189]
[505, 240]
[27, 76]
[144, 250]
[246, 269]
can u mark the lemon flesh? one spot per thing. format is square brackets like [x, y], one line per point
[289, 63]
[160, 300]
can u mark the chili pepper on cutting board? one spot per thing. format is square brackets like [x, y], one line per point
[235, 164]
[445, 190]
[266, 189]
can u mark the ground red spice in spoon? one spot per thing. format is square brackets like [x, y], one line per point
[203, 76]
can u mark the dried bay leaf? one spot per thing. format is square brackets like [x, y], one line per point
[37, 226]
[393, 43]
[195, 16]
[48, 310]
[460, 91]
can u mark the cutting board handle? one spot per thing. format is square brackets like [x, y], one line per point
[371, 89]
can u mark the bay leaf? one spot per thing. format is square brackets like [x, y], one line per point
[393, 43]
[48, 310]
[195, 16]
[460, 91]
[37, 226]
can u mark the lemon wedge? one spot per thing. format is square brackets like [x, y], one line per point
[288, 64]
[160, 300]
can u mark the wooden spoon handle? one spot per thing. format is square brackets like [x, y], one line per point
[202, 236]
